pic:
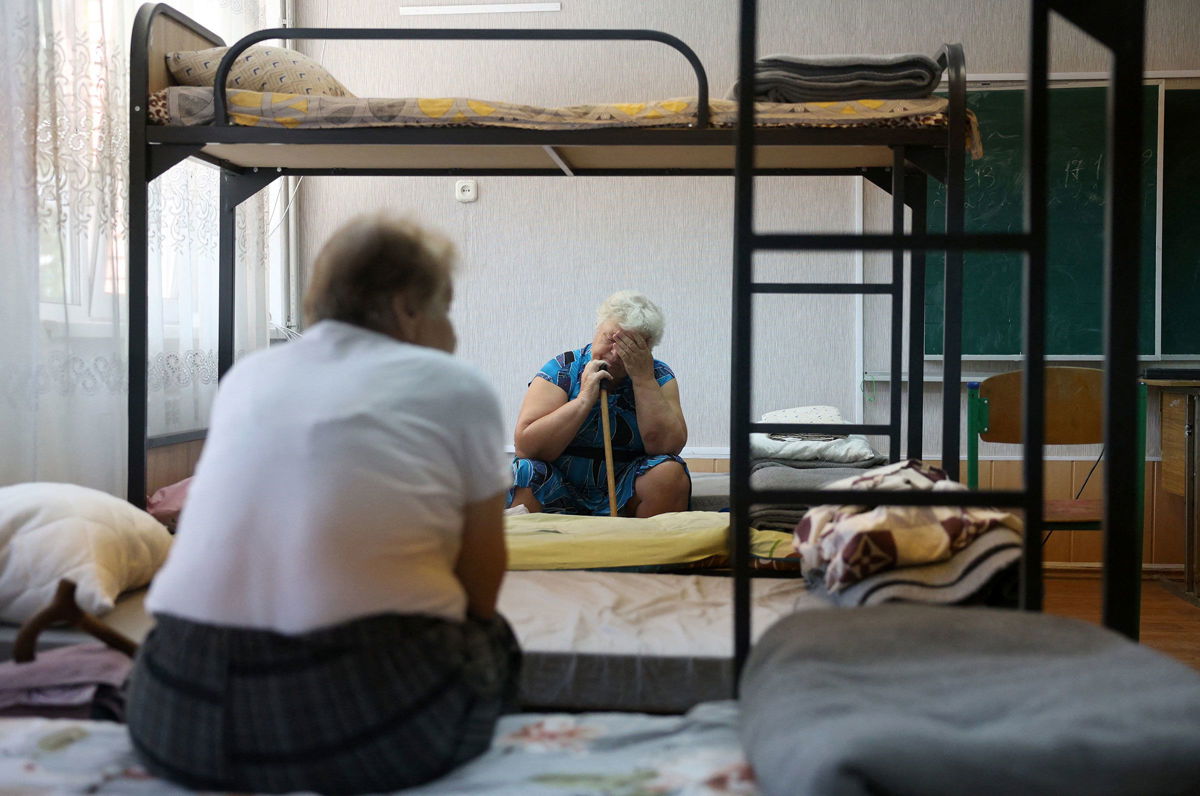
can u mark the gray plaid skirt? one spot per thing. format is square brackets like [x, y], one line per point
[376, 704]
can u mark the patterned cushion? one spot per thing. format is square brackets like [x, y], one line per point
[261, 67]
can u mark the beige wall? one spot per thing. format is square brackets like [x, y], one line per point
[538, 254]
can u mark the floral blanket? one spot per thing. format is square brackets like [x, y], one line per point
[586, 754]
[849, 543]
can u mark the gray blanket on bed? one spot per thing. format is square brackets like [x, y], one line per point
[815, 464]
[778, 476]
[935, 700]
[792, 78]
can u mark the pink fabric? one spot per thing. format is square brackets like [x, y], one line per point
[62, 676]
[165, 504]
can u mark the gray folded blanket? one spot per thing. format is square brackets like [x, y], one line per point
[815, 464]
[940, 700]
[792, 78]
[780, 517]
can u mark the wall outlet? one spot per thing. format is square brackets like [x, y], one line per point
[466, 190]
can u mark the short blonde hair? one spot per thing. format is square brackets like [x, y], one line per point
[370, 259]
[633, 311]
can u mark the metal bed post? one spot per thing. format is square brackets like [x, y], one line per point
[235, 189]
[915, 188]
[896, 409]
[952, 302]
[139, 315]
[1122, 520]
[1034, 304]
[742, 349]
[146, 163]
[1121, 28]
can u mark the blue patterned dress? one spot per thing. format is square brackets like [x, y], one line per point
[575, 482]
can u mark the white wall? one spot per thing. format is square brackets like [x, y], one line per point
[538, 254]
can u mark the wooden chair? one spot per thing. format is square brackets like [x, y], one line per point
[1074, 414]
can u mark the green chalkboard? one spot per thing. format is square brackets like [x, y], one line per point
[1075, 239]
[1181, 213]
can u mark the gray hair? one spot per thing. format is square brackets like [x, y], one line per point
[633, 311]
[366, 262]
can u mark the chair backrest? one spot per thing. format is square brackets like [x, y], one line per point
[1074, 406]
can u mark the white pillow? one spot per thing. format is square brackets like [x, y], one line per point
[845, 450]
[805, 414]
[842, 449]
[53, 531]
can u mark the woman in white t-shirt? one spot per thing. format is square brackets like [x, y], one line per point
[326, 619]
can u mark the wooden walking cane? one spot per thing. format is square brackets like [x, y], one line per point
[608, 454]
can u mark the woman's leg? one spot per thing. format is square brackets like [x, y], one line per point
[664, 487]
[523, 496]
[540, 486]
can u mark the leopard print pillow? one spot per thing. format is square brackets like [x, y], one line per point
[157, 111]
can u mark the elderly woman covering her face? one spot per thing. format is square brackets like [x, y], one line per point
[559, 441]
[326, 620]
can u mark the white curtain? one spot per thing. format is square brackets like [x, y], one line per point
[64, 151]
[18, 241]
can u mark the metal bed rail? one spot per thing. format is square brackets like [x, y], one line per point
[1121, 29]
[452, 34]
[155, 150]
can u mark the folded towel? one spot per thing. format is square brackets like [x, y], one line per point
[791, 78]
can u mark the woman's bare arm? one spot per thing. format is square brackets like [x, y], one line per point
[483, 556]
[659, 415]
[548, 422]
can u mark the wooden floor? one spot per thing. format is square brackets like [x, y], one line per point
[1169, 623]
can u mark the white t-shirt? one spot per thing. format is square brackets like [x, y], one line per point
[332, 486]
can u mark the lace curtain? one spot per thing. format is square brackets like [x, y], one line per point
[63, 245]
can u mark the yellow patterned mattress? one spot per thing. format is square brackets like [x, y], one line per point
[191, 106]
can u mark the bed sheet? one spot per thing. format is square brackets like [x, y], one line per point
[584, 754]
[631, 641]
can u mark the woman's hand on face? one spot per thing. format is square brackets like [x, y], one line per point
[634, 353]
[592, 380]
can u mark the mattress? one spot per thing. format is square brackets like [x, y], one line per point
[531, 754]
[710, 492]
[192, 105]
[632, 641]
[592, 640]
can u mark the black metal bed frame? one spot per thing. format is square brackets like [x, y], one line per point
[916, 155]
[1120, 27]
[155, 150]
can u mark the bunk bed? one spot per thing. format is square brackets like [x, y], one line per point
[898, 148]
[701, 750]
[711, 139]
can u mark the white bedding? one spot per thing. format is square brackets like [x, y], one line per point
[633, 641]
[623, 613]
[846, 450]
[593, 640]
